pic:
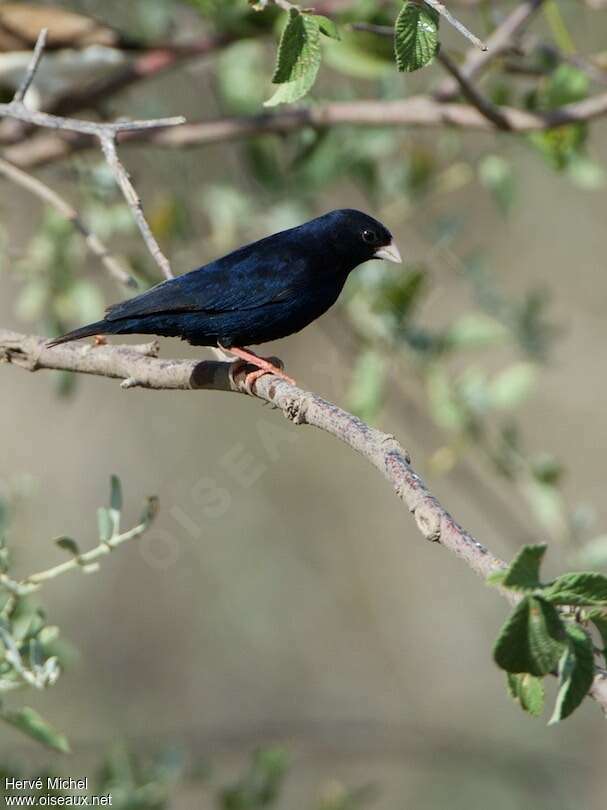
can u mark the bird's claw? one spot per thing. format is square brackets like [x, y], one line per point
[251, 377]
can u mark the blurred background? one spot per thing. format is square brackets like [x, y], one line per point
[285, 634]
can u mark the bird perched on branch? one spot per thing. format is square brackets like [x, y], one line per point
[261, 292]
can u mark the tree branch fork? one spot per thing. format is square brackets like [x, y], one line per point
[139, 366]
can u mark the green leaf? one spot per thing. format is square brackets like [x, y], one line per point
[523, 573]
[105, 524]
[415, 36]
[585, 588]
[115, 494]
[69, 545]
[576, 673]
[599, 620]
[528, 691]
[298, 58]
[532, 639]
[31, 723]
[327, 26]
[512, 386]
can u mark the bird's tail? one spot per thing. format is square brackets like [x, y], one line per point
[97, 328]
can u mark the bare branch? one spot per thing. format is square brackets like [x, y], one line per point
[48, 195]
[500, 40]
[32, 67]
[483, 105]
[108, 145]
[299, 406]
[459, 26]
[415, 111]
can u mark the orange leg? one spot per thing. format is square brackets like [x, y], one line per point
[263, 366]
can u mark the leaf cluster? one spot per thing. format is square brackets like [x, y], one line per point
[549, 632]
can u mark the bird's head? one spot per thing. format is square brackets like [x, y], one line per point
[356, 237]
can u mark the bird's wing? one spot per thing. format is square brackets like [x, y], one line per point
[242, 280]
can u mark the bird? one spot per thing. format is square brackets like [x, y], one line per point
[263, 291]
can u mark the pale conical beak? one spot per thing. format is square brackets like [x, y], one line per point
[389, 252]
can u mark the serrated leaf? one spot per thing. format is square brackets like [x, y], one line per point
[532, 639]
[291, 91]
[105, 524]
[115, 494]
[585, 588]
[327, 26]
[528, 691]
[576, 673]
[415, 36]
[35, 726]
[523, 573]
[298, 58]
[69, 545]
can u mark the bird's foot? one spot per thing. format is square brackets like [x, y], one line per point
[264, 366]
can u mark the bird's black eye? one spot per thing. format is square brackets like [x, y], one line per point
[370, 237]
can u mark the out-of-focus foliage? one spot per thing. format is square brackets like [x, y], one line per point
[31, 653]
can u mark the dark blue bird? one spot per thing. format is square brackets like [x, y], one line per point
[260, 292]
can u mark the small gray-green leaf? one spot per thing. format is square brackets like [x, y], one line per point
[528, 691]
[576, 673]
[31, 723]
[532, 639]
[69, 545]
[584, 588]
[415, 36]
[105, 524]
[523, 573]
[115, 494]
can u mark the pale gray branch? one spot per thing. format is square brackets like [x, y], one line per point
[142, 369]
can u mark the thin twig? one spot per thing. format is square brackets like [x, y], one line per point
[108, 146]
[48, 195]
[483, 105]
[459, 26]
[32, 67]
[106, 133]
[498, 42]
[300, 407]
